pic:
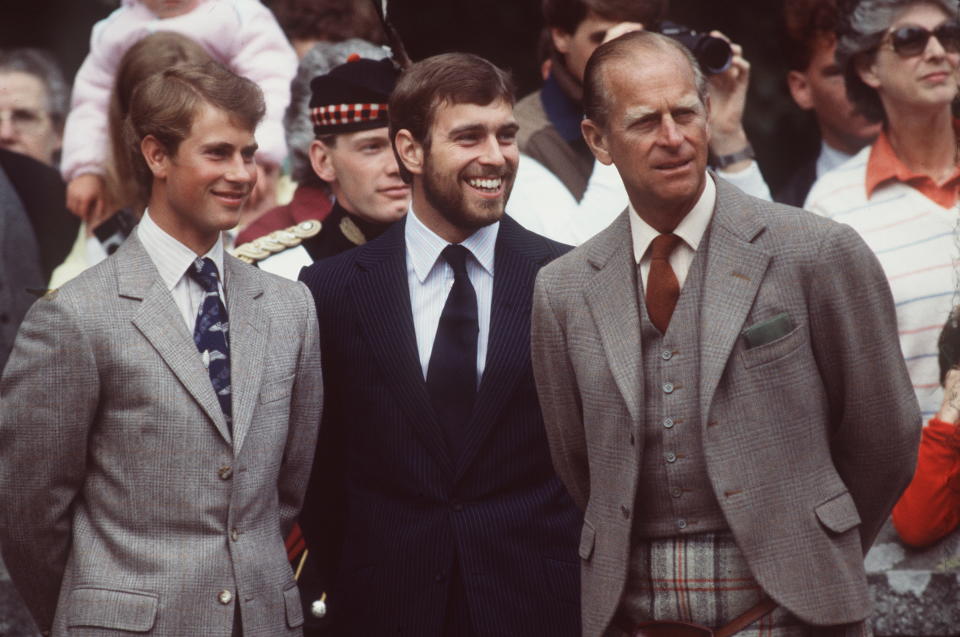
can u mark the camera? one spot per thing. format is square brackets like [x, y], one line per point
[712, 53]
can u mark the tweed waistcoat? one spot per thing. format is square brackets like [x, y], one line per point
[674, 495]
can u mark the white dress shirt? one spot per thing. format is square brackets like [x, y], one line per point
[430, 278]
[690, 229]
[172, 259]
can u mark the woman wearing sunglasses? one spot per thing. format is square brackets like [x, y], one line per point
[900, 61]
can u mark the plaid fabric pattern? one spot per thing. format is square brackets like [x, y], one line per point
[338, 114]
[703, 579]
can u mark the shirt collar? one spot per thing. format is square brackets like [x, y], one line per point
[171, 257]
[883, 165]
[424, 245]
[829, 158]
[691, 228]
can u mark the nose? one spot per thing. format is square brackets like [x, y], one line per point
[241, 170]
[492, 153]
[669, 133]
[7, 130]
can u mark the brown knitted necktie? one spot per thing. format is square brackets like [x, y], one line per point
[662, 285]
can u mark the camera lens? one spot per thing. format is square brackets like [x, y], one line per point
[713, 54]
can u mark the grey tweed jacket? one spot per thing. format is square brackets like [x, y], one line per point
[127, 505]
[809, 438]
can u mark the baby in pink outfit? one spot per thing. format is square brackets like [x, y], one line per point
[241, 34]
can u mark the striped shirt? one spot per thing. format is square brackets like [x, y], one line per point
[917, 242]
[431, 277]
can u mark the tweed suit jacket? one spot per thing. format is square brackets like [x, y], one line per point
[809, 439]
[388, 511]
[127, 505]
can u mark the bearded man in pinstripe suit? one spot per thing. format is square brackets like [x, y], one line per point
[722, 386]
[433, 501]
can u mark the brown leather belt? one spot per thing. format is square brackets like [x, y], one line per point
[686, 629]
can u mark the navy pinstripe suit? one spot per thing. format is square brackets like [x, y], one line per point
[390, 515]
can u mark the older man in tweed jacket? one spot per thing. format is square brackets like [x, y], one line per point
[729, 407]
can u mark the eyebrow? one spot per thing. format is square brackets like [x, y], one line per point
[227, 146]
[637, 113]
[480, 128]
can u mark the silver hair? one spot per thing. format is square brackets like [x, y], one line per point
[596, 100]
[42, 65]
[858, 40]
[318, 61]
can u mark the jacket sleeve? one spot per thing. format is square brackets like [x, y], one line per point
[305, 411]
[86, 138]
[48, 402]
[930, 507]
[559, 396]
[873, 410]
[266, 57]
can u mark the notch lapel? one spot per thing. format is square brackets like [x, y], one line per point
[735, 267]
[160, 322]
[381, 293]
[516, 262]
[612, 299]
[248, 343]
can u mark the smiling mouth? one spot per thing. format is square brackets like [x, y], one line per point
[486, 185]
[233, 198]
[673, 165]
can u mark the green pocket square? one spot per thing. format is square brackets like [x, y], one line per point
[768, 331]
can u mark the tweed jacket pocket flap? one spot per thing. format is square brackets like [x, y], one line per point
[291, 599]
[772, 350]
[587, 536]
[277, 390]
[839, 513]
[130, 611]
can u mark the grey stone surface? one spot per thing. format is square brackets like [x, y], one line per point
[916, 593]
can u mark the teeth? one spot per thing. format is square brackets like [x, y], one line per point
[486, 184]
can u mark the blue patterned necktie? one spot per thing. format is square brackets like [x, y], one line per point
[211, 332]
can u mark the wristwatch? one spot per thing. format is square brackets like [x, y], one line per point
[722, 161]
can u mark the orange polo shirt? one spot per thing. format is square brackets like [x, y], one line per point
[883, 165]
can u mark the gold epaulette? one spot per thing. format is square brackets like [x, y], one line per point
[277, 241]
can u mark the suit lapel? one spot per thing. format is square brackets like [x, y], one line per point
[734, 270]
[248, 343]
[612, 299]
[160, 322]
[382, 296]
[516, 261]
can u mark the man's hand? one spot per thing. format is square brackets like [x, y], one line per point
[950, 408]
[728, 97]
[85, 198]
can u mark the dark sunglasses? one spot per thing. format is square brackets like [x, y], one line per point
[910, 40]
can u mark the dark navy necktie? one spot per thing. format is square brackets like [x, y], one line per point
[452, 373]
[211, 332]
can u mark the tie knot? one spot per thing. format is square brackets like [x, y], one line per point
[663, 245]
[204, 271]
[456, 256]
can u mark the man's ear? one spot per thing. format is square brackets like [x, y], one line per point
[410, 151]
[561, 40]
[596, 139]
[866, 69]
[322, 162]
[155, 154]
[800, 89]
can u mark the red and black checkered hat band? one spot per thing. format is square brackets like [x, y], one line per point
[334, 118]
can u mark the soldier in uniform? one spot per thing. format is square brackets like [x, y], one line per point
[353, 155]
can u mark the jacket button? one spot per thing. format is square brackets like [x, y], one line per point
[668, 388]
[625, 511]
[670, 456]
[225, 472]
[681, 523]
[666, 355]
[676, 492]
[668, 422]
[225, 597]
[234, 535]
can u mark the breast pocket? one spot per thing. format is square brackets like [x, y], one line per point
[277, 390]
[774, 350]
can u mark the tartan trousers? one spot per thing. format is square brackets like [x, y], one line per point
[704, 579]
